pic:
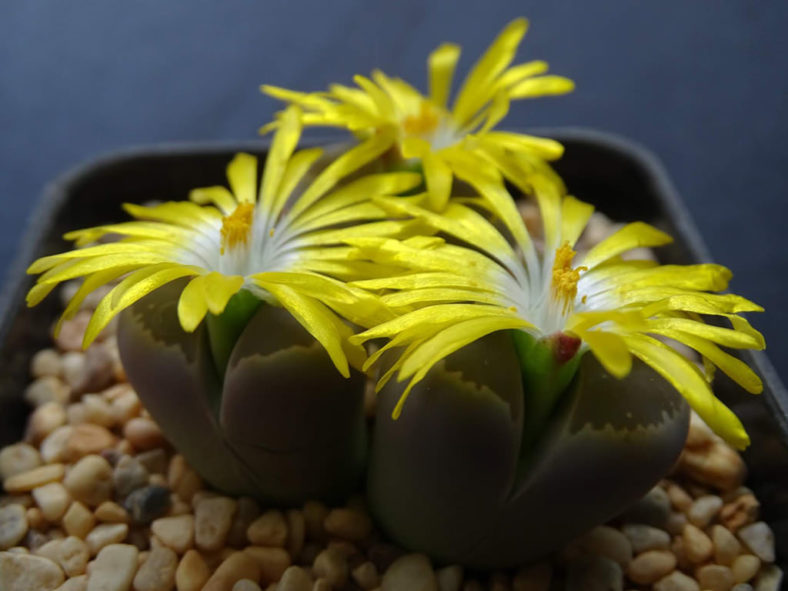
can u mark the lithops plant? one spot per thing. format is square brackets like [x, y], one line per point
[501, 437]
[237, 315]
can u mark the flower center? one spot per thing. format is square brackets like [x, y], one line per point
[565, 278]
[425, 122]
[236, 226]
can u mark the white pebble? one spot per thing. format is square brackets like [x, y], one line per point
[676, 581]
[25, 572]
[726, 546]
[78, 520]
[651, 566]
[644, 537]
[295, 578]
[759, 538]
[769, 579]
[114, 568]
[602, 541]
[53, 500]
[715, 577]
[175, 532]
[54, 447]
[45, 363]
[589, 573]
[90, 480]
[157, 573]
[745, 567]
[47, 389]
[106, 534]
[18, 458]
[704, 509]
[270, 529]
[13, 525]
[412, 572]
[45, 419]
[70, 553]
[212, 521]
[331, 564]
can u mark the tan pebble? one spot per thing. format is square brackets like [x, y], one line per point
[412, 572]
[72, 332]
[129, 475]
[719, 466]
[602, 541]
[76, 414]
[175, 532]
[237, 566]
[745, 567]
[296, 531]
[246, 585]
[36, 519]
[90, 480]
[157, 480]
[24, 500]
[714, 577]
[74, 369]
[246, 512]
[48, 389]
[78, 520]
[25, 572]
[70, 553]
[270, 529]
[366, 576]
[759, 538]
[322, 585]
[192, 572]
[315, 514]
[679, 498]
[344, 547]
[45, 363]
[295, 578]
[704, 510]
[125, 407]
[105, 535]
[383, 555]
[178, 507]
[699, 434]
[676, 581]
[45, 419]
[182, 479]
[143, 433]
[212, 521]
[53, 500]
[154, 460]
[19, 550]
[98, 410]
[675, 523]
[272, 561]
[536, 577]
[697, 545]
[111, 512]
[644, 537]
[13, 525]
[17, 459]
[726, 546]
[87, 439]
[114, 568]
[79, 583]
[348, 524]
[732, 495]
[54, 446]
[331, 564]
[157, 573]
[124, 447]
[27, 481]
[769, 578]
[201, 495]
[649, 567]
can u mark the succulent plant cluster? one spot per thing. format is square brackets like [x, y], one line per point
[252, 316]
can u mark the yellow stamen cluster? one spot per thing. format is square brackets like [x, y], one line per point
[565, 278]
[424, 123]
[236, 226]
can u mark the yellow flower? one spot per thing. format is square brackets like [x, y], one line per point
[447, 296]
[448, 141]
[284, 246]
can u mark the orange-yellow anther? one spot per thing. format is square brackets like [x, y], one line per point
[565, 278]
[236, 226]
[425, 122]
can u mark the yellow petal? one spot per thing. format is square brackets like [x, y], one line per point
[219, 289]
[282, 147]
[541, 86]
[574, 217]
[634, 235]
[610, 350]
[296, 168]
[192, 305]
[242, 176]
[439, 180]
[218, 196]
[442, 63]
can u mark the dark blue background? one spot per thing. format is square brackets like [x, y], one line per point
[703, 84]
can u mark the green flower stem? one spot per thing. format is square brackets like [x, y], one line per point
[548, 366]
[224, 329]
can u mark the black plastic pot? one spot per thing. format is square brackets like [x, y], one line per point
[622, 179]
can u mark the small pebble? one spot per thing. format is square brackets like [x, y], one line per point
[366, 576]
[114, 568]
[745, 567]
[48, 389]
[272, 562]
[296, 531]
[157, 573]
[154, 461]
[78, 520]
[148, 503]
[45, 419]
[182, 479]
[143, 433]
[129, 475]
[18, 458]
[331, 564]
[726, 546]
[412, 572]
[27, 481]
[676, 523]
[25, 572]
[704, 510]
[676, 581]
[175, 532]
[104, 535]
[270, 529]
[90, 480]
[46, 363]
[111, 512]
[86, 439]
[53, 448]
[53, 500]
[717, 465]
[653, 509]
[98, 411]
[192, 572]
[212, 520]
[315, 514]
[602, 541]
[13, 525]
[769, 579]
[71, 553]
[348, 524]
[679, 498]
[246, 585]
[644, 537]
[237, 566]
[79, 583]
[594, 573]
[715, 577]
[742, 511]
[758, 537]
[36, 519]
[651, 566]
[295, 578]
[697, 545]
